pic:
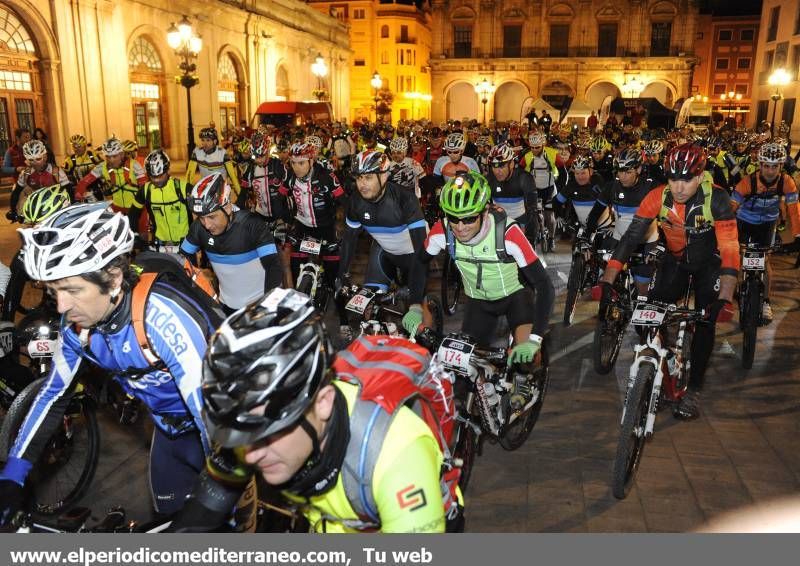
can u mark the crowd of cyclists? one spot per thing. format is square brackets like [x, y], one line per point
[238, 380]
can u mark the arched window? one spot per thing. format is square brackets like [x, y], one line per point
[228, 95]
[20, 104]
[384, 32]
[283, 91]
[147, 78]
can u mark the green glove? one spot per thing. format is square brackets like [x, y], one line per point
[524, 353]
[412, 320]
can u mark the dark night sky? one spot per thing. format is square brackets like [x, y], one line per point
[731, 7]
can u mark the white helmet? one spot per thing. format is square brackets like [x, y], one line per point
[398, 144]
[112, 146]
[455, 142]
[537, 138]
[34, 149]
[77, 240]
[316, 141]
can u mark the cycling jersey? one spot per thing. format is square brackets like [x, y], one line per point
[604, 167]
[654, 173]
[689, 234]
[261, 189]
[30, 180]
[244, 257]
[217, 161]
[123, 182]
[516, 195]
[624, 202]
[78, 166]
[542, 167]
[168, 209]
[405, 483]
[448, 169]
[582, 197]
[431, 158]
[177, 331]
[407, 173]
[755, 202]
[314, 197]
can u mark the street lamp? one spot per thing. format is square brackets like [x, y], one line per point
[376, 83]
[319, 70]
[484, 89]
[730, 97]
[779, 78]
[186, 44]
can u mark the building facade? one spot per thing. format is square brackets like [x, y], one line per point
[103, 67]
[726, 51]
[392, 38]
[778, 48]
[585, 49]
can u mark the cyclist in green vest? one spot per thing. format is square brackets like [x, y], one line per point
[491, 252]
[164, 197]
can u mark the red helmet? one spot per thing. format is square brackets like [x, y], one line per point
[685, 162]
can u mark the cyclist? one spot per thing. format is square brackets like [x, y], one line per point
[262, 180]
[81, 161]
[652, 168]
[484, 144]
[697, 220]
[448, 165]
[122, 181]
[435, 149]
[404, 170]
[82, 253]
[582, 189]
[512, 188]
[164, 198]
[716, 164]
[238, 243]
[540, 161]
[272, 400]
[756, 199]
[602, 158]
[494, 258]
[39, 173]
[390, 213]
[210, 158]
[132, 157]
[739, 158]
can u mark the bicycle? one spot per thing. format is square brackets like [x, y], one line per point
[311, 273]
[544, 239]
[612, 320]
[584, 271]
[451, 285]
[373, 312]
[752, 290]
[659, 372]
[484, 388]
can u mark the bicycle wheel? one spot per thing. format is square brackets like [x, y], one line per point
[451, 285]
[515, 434]
[608, 335]
[631, 435]
[574, 284]
[752, 296]
[304, 284]
[67, 465]
[465, 451]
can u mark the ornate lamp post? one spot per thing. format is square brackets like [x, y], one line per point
[731, 96]
[187, 44]
[484, 90]
[779, 78]
[319, 70]
[376, 82]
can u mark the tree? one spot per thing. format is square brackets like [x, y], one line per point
[385, 100]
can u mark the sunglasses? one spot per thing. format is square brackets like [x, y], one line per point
[465, 220]
[457, 152]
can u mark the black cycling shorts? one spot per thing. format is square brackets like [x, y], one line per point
[384, 268]
[480, 317]
[761, 234]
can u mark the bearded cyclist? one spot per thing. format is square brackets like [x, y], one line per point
[82, 253]
[122, 181]
[275, 409]
[209, 158]
[493, 257]
[697, 220]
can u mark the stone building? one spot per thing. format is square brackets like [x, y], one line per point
[586, 49]
[102, 67]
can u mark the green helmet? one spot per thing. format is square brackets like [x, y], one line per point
[598, 144]
[42, 203]
[465, 195]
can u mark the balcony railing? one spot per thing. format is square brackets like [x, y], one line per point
[545, 52]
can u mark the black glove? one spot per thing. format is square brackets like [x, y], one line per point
[716, 308]
[12, 216]
[208, 509]
[12, 499]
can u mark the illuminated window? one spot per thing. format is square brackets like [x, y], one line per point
[144, 90]
[144, 54]
[12, 80]
[13, 35]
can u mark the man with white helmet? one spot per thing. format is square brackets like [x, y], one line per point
[122, 181]
[512, 188]
[454, 160]
[404, 170]
[82, 253]
[541, 162]
[756, 200]
[208, 158]
[39, 173]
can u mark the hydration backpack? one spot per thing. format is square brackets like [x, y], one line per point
[391, 373]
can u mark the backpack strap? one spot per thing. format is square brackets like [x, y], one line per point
[139, 297]
[500, 225]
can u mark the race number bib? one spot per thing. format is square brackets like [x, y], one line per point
[41, 348]
[455, 354]
[310, 246]
[648, 315]
[359, 303]
[754, 260]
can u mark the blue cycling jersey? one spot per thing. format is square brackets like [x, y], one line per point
[177, 333]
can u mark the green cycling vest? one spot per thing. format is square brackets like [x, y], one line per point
[167, 210]
[486, 276]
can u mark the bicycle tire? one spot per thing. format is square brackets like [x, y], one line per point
[752, 314]
[574, 283]
[631, 442]
[451, 286]
[515, 435]
[304, 284]
[80, 411]
[465, 449]
[606, 344]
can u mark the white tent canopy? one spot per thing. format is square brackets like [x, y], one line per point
[579, 109]
[537, 104]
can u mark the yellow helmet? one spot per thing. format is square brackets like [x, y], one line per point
[130, 146]
[77, 139]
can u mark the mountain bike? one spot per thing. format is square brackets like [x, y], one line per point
[375, 312]
[452, 286]
[311, 273]
[584, 271]
[659, 373]
[752, 291]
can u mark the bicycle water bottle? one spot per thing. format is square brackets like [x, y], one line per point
[490, 394]
[672, 363]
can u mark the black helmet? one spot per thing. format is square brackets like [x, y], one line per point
[209, 134]
[211, 193]
[370, 161]
[273, 355]
[628, 159]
